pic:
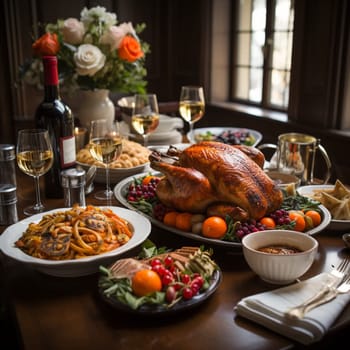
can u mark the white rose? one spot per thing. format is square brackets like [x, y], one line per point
[115, 34]
[73, 31]
[89, 59]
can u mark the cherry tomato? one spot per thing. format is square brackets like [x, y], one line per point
[185, 278]
[168, 261]
[167, 279]
[198, 280]
[187, 293]
[156, 261]
[195, 288]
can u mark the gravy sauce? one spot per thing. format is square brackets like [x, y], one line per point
[281, 250]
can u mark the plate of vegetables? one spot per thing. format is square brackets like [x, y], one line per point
[232, 136]
[160, 281]
[297, 213]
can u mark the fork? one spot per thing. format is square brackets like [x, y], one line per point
[338, 272]
[299, 312]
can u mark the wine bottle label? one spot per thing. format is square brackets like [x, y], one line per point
[67, 151]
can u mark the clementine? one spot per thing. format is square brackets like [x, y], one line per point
[214, 227]
[145, 282]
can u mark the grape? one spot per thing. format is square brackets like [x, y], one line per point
[244, 228]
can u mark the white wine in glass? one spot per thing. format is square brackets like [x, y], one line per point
[191, 106]
[105, 146]
[145, 115]
[34, 158]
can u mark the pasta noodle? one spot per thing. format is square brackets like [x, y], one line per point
[75, 233]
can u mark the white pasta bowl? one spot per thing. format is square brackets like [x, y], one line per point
[278, 268]
[73, 267]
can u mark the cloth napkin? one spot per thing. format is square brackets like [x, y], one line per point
[268, 309]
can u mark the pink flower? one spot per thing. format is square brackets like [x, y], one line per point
[115, 34]
[72, 31]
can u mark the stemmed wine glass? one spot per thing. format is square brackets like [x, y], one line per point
[191, 106]
[105, 146]
[34, 158]
[145, 115]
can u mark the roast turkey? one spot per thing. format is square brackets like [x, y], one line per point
[217, 179]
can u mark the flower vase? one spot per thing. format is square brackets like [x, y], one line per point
[95, 104]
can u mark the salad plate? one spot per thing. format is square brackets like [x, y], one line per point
[249, 137]
[121, 190]
[159, 310]
[73, 267]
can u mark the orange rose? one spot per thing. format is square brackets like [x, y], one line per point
[47, 45]
[130, 49]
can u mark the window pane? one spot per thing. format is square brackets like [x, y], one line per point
[242, 83]
[257, 57]
[284, 15]
[255, 88]
[259, 15]
[244, 15]
[282, 50]
[243, 48]
[279, 92]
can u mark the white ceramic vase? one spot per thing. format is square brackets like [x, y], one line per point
[95, 104]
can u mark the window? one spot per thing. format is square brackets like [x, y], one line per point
[262, 37]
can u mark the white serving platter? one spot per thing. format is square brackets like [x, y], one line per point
[76, 267]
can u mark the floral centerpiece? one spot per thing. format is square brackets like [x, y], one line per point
[93, 52]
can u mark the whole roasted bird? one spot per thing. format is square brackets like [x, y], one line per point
[216, 179]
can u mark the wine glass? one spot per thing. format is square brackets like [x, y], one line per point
[34, 158]
[191, 106]
[145, 115]
[105, 146]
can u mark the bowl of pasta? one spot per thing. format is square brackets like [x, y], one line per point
[133, 160]
[72, 242]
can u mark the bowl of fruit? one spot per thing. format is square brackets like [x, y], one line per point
[228, 135]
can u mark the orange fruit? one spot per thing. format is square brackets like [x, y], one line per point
[145, 282]
[269, 223]
[146, 180]
[183, 221]
[170, 218]
[214, 227]
[299, 220]
[315, 217]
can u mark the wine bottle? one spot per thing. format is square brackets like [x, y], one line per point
[55, 116]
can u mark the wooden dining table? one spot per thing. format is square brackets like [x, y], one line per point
[56, 313]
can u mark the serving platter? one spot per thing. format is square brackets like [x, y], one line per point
[160, 310]
[218, 130]
[308, 191]
[76, 267]
[121, 190]
[115, 174]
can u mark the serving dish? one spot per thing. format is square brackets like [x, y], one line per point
[77, 267]
[120, 192]
[160, 310]
[279, 268]
[218, 130]
[115, 175]
[308, 191]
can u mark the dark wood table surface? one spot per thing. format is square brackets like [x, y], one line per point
[68, 313]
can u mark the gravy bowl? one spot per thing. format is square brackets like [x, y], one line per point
[279, 268]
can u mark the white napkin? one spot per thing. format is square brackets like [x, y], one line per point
[268, 309]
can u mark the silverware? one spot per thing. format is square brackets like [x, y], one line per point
[299, 312]
[338, 273]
